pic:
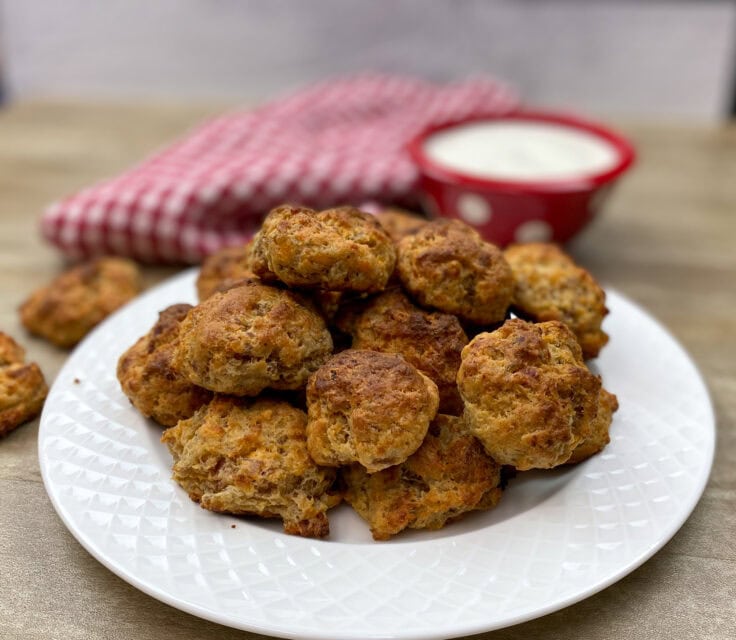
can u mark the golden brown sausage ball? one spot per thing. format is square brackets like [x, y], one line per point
[328, 302]
[446, 265]
[528, 395]
[450, 474]
[429, 340]
[249, 338]
[250, 457]
[399, 223]
[339, 249]
[223, 268]
[550, 286]
[147, 377]
[22, 386]
[368, 407]
[10, 351]
[65, 310]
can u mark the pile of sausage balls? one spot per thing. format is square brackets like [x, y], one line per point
[372, 359]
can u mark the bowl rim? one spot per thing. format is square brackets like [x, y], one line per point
[586, 182]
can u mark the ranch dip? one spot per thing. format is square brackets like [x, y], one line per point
[521, 151]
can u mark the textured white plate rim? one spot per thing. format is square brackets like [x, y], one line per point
[288, 631]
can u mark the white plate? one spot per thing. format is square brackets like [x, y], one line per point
[556, 538]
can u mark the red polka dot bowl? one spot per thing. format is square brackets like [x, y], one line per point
[519, 203]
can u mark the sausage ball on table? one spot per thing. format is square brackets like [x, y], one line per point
[446, 265]
[64, 311]
[148, 378]
[368, 407]
[252, 337]
[430, 340]
[529, 398]
[340, 249]
[23, 388]
[450, 474]
[245, 456]
[550, 286]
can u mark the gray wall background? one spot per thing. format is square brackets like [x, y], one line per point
[668, 59]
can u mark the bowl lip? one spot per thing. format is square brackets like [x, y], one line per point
[584, 182]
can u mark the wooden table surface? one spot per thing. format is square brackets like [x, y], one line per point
[666, 240]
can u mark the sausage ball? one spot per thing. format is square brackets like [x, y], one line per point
[10, 351]
[244, 456]
[223, 268]
[399, 223]
[430, 340]
[598, 437]
[368, 407]
[550, 286]
[22, 386]
[446, 265]
[528, 395]
[249, 338]
[339, 249]
[449, 475]
[328, 303]
[147, 377]
[65, 310]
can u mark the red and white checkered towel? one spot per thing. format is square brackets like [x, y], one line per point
[338, 142]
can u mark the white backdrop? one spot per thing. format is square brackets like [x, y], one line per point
[672, 59]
